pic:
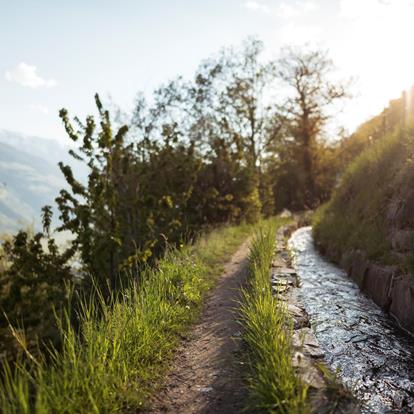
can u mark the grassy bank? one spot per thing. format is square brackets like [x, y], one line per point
[123, 347]
[273, 385]
[356, 216]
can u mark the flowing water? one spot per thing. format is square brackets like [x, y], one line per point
[373, 357]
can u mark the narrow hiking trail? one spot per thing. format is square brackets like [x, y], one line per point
[205, 376]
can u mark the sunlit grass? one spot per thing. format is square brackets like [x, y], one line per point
[356, 216]
[273, 384]
[123, 345]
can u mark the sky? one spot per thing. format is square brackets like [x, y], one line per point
[56, 53]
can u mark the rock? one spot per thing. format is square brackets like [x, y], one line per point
[359, 267]
[282, 282]
[307, 372]
[312, 377]
[346, 261]
[299, 316]
[305, 340]
[298, 360]
[284, 271]
[279, 289]
[402, 303]
[359, 339]
[285, 214]
[296, 311]
[377, 284]
[284, 277]
[278, 262]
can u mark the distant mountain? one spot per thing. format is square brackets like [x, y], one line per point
[29, 178]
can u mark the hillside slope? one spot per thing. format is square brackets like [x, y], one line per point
[368, 226]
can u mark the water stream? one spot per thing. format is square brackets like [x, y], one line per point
[374, 358]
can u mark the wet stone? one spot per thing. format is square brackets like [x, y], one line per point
[282, 282]
[305, 340]
[307, 372]
[284, 271]
[278, 262]
[296, 311]
[284, 279]
[280, 289]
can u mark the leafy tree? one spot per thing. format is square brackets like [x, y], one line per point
[101, 213]
[168, 177]
[306, 111]
[230, 116]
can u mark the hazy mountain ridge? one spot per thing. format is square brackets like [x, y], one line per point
[29, 178]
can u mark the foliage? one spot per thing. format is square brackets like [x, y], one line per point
[36, 281]
[300, 164]
[96, 213]
[222, 114]
[373, 130]
[273, 384]
[124, 344]
[217, 149]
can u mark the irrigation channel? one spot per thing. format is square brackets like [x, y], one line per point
[373, 358]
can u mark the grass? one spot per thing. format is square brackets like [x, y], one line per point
[273, 384]
[356, 216]
[122, 347]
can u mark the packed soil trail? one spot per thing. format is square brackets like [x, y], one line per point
[205, 376]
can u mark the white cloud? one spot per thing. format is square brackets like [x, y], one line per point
[26, 75]
[40, 108]
[300, 34]
[256, 6]
[309, 6]
[288, 10]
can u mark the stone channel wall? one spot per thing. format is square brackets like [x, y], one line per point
[307, 354]
[390, 287]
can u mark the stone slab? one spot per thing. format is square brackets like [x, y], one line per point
[377, 284]
[402, 303]
[359, 267]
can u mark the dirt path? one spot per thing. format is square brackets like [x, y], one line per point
[205, 376]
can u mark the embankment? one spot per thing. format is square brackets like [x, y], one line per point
[368, 226]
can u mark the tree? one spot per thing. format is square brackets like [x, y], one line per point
[306, 111]
[100, 213]
[229, 122]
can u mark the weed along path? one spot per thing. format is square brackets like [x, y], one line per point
[205, 376]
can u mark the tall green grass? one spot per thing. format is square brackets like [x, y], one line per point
[123, 346]
[356, 216]
[273, 385]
